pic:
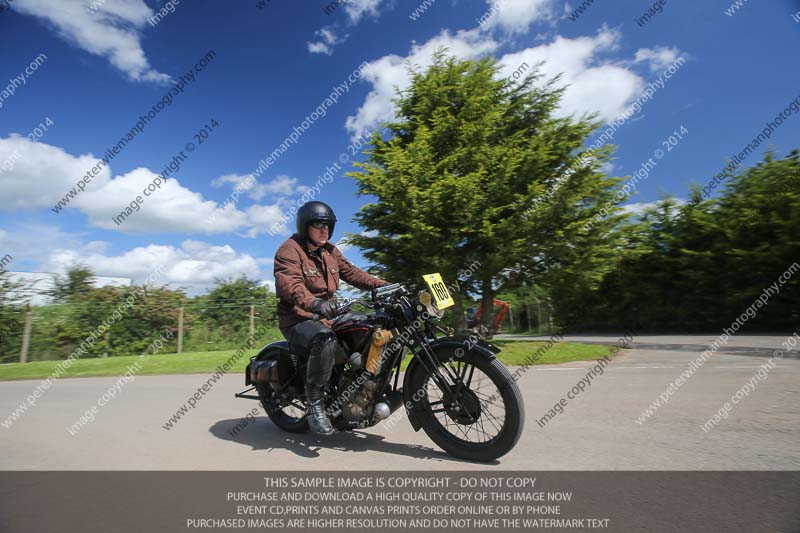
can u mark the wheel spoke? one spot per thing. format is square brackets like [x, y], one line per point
[485, 419]
[461, 429]
[479, 422]
[492, 419]
[485, 399]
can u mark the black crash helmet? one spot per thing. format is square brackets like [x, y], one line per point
[311, 211]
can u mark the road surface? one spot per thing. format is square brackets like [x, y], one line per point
[597, 430]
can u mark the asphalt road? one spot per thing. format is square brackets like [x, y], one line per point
[597, 430]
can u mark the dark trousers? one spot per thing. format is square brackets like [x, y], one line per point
[316, 341]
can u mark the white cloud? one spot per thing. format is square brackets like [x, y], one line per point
[112, 31]
[193, 264]
[282, 185]
[240, 182]
[595, 82]
[172, 207]
[357, 9]
[41, 174]
[328, 39]
[264, 218]
[38, 174]
[97, 246]
[270, 283]
[640, 207]
[516, 16]
[658, 59]
[271, 217]
[319, 48]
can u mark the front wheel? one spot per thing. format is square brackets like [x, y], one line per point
[482, 417]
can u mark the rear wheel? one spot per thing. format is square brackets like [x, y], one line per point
[288, 413]
[482, 418]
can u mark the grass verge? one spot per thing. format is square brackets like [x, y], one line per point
[513, 353]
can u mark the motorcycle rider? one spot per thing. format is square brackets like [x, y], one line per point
[307, 270]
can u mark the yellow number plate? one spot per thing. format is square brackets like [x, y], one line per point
[441, 296]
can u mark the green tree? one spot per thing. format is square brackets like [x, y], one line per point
[698, 266]
[478, 168]
[758, 218]
[129, 329]
[226, 307]
[530, 307]
[12, 309]
[77, 283]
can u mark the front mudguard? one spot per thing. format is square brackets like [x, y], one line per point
[445, 349]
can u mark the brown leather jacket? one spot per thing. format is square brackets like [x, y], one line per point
[301, 276]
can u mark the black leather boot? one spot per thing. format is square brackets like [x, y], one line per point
[318, 419]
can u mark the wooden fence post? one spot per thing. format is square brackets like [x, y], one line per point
[26, 335]
[180, 329]
[252, 326]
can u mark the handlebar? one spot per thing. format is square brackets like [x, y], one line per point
[386, 290]
[377, 294]
[341, 308]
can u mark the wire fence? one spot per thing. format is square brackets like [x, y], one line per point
[50, 332]
[125, 322]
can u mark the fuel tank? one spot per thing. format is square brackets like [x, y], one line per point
[353, 331]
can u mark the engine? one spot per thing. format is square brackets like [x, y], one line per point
[356, 395]
[364, 379]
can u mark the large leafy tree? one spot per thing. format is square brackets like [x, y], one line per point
[698, 266]
[477, 169]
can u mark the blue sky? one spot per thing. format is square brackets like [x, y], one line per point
[106, 65]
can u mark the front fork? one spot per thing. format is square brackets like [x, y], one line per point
[427, 358]
[434, 355]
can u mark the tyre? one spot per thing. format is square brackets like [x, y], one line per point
[288, 415]
[484, 417]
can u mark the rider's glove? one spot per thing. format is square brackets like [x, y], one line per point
[324, 308]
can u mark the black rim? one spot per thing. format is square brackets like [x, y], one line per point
[475, 413]
[292, 409]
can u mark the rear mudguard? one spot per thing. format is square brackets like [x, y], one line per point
[269, 352]
[444, 348]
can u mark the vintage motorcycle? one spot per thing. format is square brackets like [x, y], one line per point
[454, 388]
